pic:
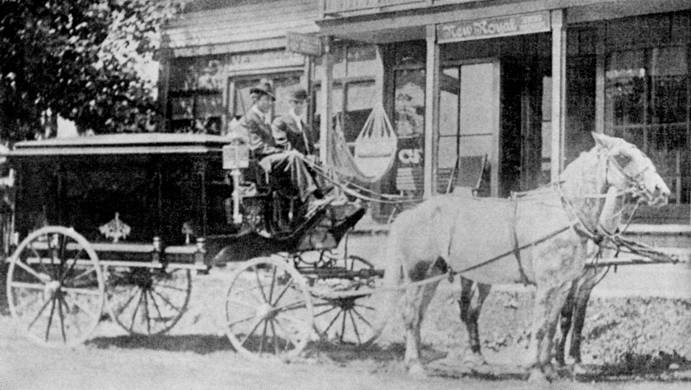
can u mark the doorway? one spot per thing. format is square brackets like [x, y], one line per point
[469, 136]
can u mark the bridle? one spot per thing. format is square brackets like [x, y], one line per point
[599, 234]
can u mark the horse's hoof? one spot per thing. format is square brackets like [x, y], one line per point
[536, 376]
[474, 359]
[550, 372]
[416, 370]
[579, 369]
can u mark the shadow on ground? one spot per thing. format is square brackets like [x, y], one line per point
[201, 344]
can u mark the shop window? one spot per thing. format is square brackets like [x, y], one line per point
[196, 97]
[239, 91]
[353, 92]
[647, 103]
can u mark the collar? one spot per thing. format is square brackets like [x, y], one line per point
[264, 117]
[297, 118]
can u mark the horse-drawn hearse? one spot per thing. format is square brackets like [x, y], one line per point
[117, 224]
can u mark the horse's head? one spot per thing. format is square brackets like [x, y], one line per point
[629, 169]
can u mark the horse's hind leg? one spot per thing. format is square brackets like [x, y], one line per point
[416, 301]
[470, 315]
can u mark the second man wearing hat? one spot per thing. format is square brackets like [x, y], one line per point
[272, 157]
[290, 131]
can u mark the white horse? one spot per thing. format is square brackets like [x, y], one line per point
[541, 237]
[572, 317]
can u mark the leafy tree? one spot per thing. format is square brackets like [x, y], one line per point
[81, 59]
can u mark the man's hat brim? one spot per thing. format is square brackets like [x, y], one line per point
[262, 91]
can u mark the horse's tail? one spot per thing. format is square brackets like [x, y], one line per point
[388, 296]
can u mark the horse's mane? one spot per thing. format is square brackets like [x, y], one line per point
[581, 176]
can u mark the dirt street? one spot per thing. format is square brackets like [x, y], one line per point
[637, 341]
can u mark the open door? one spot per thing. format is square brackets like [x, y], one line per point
[469, 124]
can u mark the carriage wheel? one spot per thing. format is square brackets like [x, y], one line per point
[268, 310]
[147, 301]
[350, 319]
[55, 286]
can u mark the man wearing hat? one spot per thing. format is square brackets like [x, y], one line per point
[273, 159]
[289, 130]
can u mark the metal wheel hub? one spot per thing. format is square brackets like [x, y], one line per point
[266, 311]
[51, 288]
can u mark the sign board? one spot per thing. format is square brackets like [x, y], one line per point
[308, 45]
[236, 156]
[493, 27]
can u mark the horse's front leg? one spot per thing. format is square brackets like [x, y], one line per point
[591, 279]
[549, 300]
[565, 323]
[470, 315]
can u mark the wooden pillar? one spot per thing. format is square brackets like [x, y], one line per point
[432, 70]
[558, 92]
[307, 84]
[600, 80]
[166, 55]
[325, 113]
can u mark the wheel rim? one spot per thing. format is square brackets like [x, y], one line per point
[55, 287]
[351, 319]
[268, 310]
[145, 301]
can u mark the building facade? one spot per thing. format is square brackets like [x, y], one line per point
[520, 83]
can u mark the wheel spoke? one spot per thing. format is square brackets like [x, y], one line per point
[62, 320]
[50, 316]
[158, 309]
[30, 270]
[362, 318]
[261, 341]
[241, 320]
[285, 289]
[39, 258]
[333, 320]
[71, 267]
[251, 332]
[241, 303]
[38, 314]
[352, 321]
[273, 283]
[291, 306]
[166, 300]
[169, 287]
[63, 301]
[28, 286]
[250, 293]
[343, 324]
[364, 306]
[136, 309]
[261, 289]
[287, 334]
[83, 274]
[85, 310]
[146, 312]
[61, 255]
[332, 308]
[275, 339]
[129, 300]
[83, 291]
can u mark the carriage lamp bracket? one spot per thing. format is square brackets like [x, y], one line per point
[236, 156]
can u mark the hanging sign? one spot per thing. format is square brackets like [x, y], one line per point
[493, 27]
[308, 45]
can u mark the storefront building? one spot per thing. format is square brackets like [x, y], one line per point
[217, 50]
[522, 84]
[518, 83]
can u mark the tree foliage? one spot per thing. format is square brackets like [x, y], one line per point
[81, 59]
